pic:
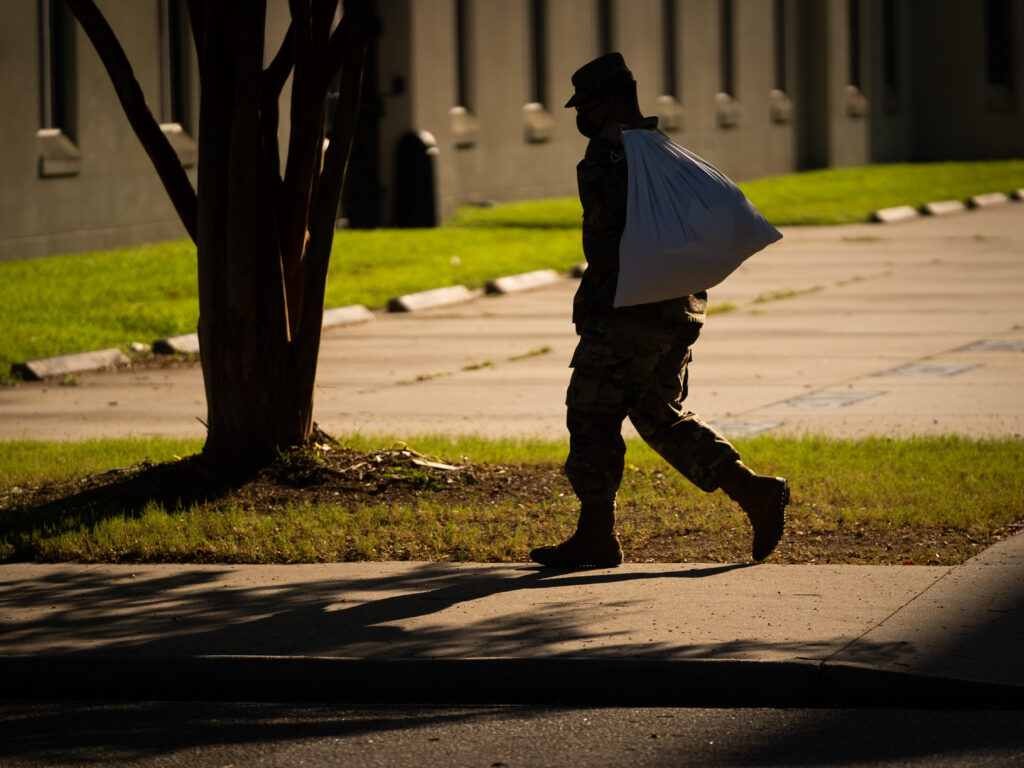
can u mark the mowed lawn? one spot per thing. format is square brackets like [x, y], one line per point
[79, 302]
[936, 500]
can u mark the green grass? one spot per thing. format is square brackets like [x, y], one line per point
[846, 195]
[830, 196]
[87, 301]
[33, 462]
[547, 213]
[81, 302]
[369, 267]
[876, 500]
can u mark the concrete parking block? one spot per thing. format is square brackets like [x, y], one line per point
[62, 365]
[522, 282]
[943, 207]
[186, 344]
[989, 200]
[350, 315]
[438, 297]
[893, 215]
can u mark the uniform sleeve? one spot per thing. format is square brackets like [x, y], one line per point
[602, 179]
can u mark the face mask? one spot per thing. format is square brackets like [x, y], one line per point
[588, 127]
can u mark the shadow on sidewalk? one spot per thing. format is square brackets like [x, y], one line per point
[193, 612]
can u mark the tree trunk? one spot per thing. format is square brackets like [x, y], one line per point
[258, 394]
[264, 242]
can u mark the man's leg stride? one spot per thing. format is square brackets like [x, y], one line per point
[709, 461]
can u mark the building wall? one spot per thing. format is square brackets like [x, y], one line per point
[498, 145]
[957, 115]
[890, 86]
[114, 197]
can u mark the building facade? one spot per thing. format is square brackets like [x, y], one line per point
[463, 100]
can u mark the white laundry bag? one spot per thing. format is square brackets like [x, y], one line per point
[687, 226]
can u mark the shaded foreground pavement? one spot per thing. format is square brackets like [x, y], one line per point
[916, 328]
[694, 635]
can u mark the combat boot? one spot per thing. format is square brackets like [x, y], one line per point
[594, 545]
[764, 499]
[581, 550]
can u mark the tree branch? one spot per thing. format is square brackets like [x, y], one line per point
[276, 73]
[271, 83]
[129, 92]
[195, 16]
[356, 29]
[335, 52]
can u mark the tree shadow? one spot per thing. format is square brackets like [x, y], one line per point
[124, 493]
[192, 611]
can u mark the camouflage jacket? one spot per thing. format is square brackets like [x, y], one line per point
[602, 180]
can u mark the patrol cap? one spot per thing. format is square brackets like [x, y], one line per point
[593, 77]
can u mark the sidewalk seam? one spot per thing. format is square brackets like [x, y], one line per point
[881, 622]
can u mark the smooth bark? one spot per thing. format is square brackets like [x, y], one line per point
[263, 241]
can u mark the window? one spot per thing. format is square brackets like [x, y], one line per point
[854, 32]
[464, 125]
[174, 80]
[890, 46]
[57, 68]
[463, 59]
[55, 139]
[538, 122]
[605, 24]
[726, 78]
[999, 43]
[538, 52]
[669, 50]
[780, 45]
[999, 63]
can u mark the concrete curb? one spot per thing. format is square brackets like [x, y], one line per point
[623, 682]
[893, 215]
[522, 282]
[63, 365]
[350, 315]
[943, 207]
[186, 344]
[437, 297]
[988, 200]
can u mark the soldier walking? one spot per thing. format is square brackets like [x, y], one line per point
[632, 361]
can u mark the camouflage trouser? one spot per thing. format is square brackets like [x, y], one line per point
[640, 373]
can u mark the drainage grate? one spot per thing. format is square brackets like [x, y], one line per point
[994, 345]
[745, 428]
[829, 399]
[926, 370]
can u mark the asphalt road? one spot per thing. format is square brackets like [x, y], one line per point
[218, 735]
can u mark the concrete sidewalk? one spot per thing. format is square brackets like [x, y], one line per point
[638, 634]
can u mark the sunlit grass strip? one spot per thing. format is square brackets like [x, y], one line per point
[34, 462]
[828, 196]
[846, 195]
[81, 302]
[955, 492]
[299, 534]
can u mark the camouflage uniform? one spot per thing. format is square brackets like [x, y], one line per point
[630, 361]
